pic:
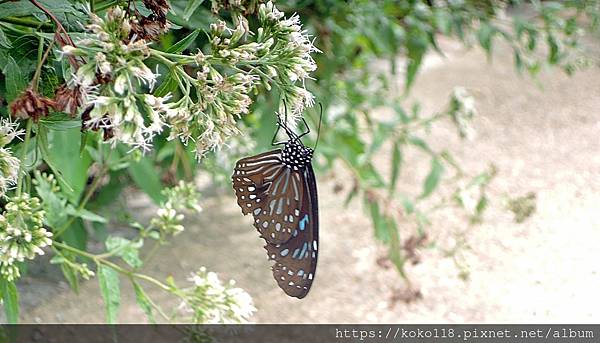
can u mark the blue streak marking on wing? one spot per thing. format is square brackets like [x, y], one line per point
[303, 222]
[303, 252]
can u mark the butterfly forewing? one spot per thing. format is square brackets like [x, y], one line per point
[296, 260]
[271, 192]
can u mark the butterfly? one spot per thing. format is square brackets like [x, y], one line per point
[279, 189]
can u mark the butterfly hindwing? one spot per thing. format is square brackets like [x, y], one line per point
[296, 260]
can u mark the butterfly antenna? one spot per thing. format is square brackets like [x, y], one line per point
[285, 113]
[319, 127]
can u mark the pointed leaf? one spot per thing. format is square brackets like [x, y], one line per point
[10, 297]
[184, 43]
[14, 79]
[190, 8]
[433, 179]
[111, 292]
[396, 165]
[143, 301]
[146, 177]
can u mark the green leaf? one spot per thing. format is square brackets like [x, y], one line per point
[10, 296]
[60, 122]
[4, 42]
[200, 19]
[381, 134]
[370, 176]
[395, 251]
[143, 301]
[146, 177]
[126, 249]
[481, 206]
[63, 154]
[71, 276]
[433, 179]
[76, 235]
[14, 79]
[85, 214]
[353, 192]
[519, 66]
[184, 43]
[100, 231]
[554, 55]
[190, 8]
[396, 165]
[42, 143]
[111, 292]
[379, 224]
[407, 203]
[349, 146]
[109, 193]
[485, 34]
[24, 9]
[416, 47]
[53, 204]
[420, 143]
[168, 85]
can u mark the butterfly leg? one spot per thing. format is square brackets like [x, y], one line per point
[276, 132]
[307, 127]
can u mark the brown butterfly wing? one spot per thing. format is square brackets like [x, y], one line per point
[268, 190]
[296, 260]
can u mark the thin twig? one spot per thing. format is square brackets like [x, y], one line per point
[59, 26]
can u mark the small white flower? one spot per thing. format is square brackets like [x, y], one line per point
[70, 50]
[9, 131]
[120, 83]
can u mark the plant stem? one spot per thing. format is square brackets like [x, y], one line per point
[27, 22]
[99, 260]
[23, 155]
[419, 123]
[41, 59]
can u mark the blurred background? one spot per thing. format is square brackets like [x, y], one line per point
[457, 166]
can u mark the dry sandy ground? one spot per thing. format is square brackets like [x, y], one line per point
[545, 140]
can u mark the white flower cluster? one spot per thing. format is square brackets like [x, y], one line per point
[110, 80]
[211, 120]
[9, 165]
[211, 302]
[290, 47]
[279, 54]
[168, 221]
[22, 234]
[179, 198]
[215, 88]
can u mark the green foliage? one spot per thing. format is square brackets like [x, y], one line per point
[111, 291]
[10, 299]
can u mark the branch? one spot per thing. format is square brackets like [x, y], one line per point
[63, 40]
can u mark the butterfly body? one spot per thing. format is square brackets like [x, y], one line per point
[279, 189]
[295, 155]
